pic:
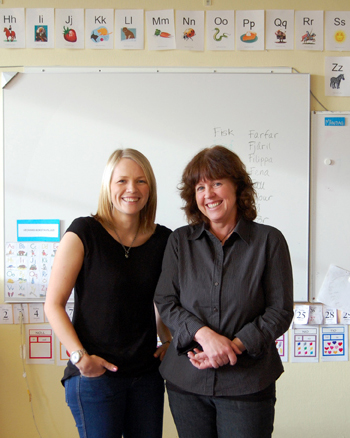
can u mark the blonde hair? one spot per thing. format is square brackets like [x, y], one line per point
[105, 206]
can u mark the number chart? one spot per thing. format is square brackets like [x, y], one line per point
[305, 344]
[334, 341]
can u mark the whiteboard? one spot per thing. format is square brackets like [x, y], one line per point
[61, 127]
[330, 184]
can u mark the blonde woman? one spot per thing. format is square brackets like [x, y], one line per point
[113, 261]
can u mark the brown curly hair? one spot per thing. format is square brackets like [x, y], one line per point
[216, 163]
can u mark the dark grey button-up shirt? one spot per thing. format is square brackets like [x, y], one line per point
[243, 289]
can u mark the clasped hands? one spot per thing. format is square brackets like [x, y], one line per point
[217, 351]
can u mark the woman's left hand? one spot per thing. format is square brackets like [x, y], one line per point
[161, 350]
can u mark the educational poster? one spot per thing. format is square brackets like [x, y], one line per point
[344, 317]
[280, 30]
[334, 343]
[301, 314]
[99, 28]
[190, 30]
[40, 33]
[20, 313]
[282, 347]
[316, 314]
[27, 269]
[305, 341]
[337, 30]
[13, 27]
[69, 28]
[330, 315]
[61, 353]
[161, 30]
[220, 30]
[39, 344]
[6, 314]
[129, 29]
[250, 30]
[309, 30]
[36, 313]
[70, 310]
[335, 289]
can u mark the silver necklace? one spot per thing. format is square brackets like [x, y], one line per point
[221, 240]
[127, 250]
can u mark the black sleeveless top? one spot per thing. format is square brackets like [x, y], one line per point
[113, 308]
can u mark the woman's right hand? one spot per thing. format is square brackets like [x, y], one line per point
[217, 350]
[94, 366]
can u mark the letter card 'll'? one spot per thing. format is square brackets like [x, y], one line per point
[220, 30]
[13, 26]
[129, 29]
[99, 27]
[280, 30]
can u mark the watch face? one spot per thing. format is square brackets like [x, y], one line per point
[75, 357]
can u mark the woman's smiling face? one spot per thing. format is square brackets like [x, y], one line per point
[216, 199]
[129, 187]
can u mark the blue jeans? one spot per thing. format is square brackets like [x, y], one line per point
[219, 417]
[109, 407]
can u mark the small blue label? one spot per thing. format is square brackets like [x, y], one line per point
[334, 121]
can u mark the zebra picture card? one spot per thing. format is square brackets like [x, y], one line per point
[337, 76]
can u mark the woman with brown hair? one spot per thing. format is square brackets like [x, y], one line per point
[226, 294]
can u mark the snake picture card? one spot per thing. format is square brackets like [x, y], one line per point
[220, 26]
[334, 343]
[305, 341]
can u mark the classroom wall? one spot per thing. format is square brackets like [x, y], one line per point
[312, 398]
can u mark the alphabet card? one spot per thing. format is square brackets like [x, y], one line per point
[161, 30]
[190, 30]
[280, 30]
[99, 27]
[220, 30]
[334, 343]
[338, 30]
[40, 28]
[129, 29]
[69, 28]
[250, 30]
[13, 25]
[309, 30]
[305, 341]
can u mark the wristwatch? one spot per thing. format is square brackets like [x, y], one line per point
[77, 355]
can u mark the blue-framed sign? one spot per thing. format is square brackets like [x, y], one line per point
[44, 230]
